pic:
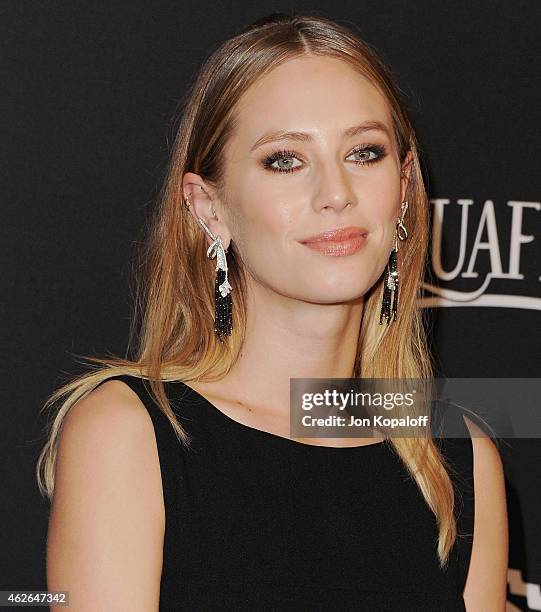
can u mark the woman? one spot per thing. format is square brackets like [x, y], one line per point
[188, 492]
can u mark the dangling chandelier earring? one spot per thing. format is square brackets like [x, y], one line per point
[223, 304]
[390, 285]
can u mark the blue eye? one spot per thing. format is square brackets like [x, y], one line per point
[280, 156]
[377, 150]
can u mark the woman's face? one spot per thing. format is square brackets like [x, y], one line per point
[283, 191]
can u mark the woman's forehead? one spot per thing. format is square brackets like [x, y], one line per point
[322, 95]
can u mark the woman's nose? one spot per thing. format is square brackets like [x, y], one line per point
[334, 189]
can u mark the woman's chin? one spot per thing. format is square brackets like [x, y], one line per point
[341, 294]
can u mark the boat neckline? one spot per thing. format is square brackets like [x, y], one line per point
[262, 432]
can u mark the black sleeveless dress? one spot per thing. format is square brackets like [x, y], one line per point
[259, 522]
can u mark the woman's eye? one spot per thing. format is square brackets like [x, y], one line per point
[365, 155]
[282, 161]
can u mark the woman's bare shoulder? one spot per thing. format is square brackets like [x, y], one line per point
[486, 583]
[112, 399]
[105, 538]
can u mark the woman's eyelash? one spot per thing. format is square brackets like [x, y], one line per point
[379, 150]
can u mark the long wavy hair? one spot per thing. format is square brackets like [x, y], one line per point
[174, 336]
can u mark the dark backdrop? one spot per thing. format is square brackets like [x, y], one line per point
[90, 91]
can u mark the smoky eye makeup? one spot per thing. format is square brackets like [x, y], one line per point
[368, 154]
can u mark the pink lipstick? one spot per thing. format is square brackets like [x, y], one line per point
[338, 242]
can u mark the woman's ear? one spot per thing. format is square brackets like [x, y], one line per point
[405, 174]
[204, 205]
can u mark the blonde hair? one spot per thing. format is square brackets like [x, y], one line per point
[175, 292]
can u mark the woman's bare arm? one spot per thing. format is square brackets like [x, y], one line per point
[486, 584]
[105, 538]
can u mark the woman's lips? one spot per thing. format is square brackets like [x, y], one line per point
[338, 248]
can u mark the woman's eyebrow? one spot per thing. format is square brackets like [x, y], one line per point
[355, 130]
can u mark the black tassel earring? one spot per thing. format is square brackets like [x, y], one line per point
[223, 304]
[389, 305]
